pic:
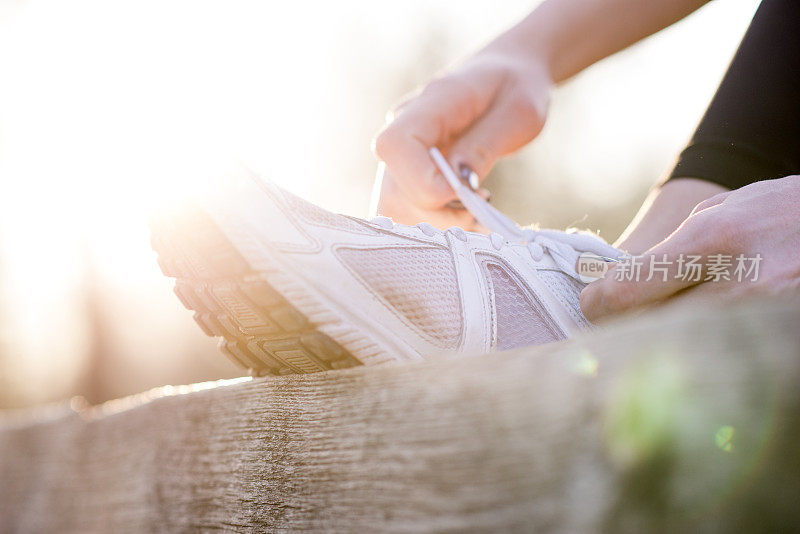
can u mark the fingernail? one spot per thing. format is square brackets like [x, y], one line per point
[468, 176]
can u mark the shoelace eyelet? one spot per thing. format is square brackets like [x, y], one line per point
[536, 250]
[427, 229]
[459, 233]
[497, 240]
[383, 222]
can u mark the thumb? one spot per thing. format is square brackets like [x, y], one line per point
[508, 125]
[675, 264]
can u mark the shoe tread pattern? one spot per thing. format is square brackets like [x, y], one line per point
[259, 329]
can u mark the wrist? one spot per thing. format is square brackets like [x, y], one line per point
[539, 39]
[664, 211]
[525, 44]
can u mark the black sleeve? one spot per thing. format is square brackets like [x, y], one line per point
[751, 129]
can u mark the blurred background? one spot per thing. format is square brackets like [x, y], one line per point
[107, 107]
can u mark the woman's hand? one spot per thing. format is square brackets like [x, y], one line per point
[497, 101]
[758, 225]
[490, 106]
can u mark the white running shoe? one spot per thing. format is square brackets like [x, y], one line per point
[292, 288]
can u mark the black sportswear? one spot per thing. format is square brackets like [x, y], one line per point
[751, 129]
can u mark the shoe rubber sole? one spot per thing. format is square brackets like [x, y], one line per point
[259, 328]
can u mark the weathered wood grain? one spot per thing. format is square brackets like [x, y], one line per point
[685, 419]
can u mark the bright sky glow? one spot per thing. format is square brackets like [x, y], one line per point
[109, 106]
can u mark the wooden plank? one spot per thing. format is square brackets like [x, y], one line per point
[686, 418]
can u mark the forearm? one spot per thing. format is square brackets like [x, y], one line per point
[570, 35]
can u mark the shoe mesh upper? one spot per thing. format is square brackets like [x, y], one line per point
[521, 320]
[419, 283]
[316, 215]
[568, 291]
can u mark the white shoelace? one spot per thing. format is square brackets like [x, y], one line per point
[563, 247]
